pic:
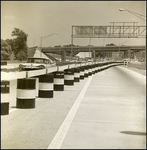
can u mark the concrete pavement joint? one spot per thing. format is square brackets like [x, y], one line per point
[59, 137]
[110, 122]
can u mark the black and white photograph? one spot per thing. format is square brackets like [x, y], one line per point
[73, 74]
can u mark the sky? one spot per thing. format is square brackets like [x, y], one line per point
[42, 18]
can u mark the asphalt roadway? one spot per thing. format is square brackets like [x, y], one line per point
[103, 111]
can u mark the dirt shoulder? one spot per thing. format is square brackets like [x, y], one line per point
[141, 71]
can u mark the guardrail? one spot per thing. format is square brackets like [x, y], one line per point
[28, 74]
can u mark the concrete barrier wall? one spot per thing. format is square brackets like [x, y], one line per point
[5, 90]
[35, 73]
[12, 75]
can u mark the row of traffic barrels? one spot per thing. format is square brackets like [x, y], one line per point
[43, 86]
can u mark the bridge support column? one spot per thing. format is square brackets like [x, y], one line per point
[129, 54]
[63, 56]
[93, 54]
[125, 54]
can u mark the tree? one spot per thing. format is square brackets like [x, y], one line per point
[20, 44]
[6, 50]
[12, 44]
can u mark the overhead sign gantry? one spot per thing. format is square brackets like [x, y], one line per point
[114, 30]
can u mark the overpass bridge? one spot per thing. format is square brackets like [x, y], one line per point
[108, 50]
[96, 48]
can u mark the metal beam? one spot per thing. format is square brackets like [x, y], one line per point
[109, 31]
[96, 48]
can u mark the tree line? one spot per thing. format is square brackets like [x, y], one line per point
[17, 46]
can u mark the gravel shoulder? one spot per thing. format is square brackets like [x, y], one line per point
[141, 71]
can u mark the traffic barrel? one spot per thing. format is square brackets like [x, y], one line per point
[81, 72]
[100, 67]
[96, 68]
[69, 77]
[86, 72]
[5, 90]
[46, 85]
[90, 70]
[3, 63]
[58, 80]
[26, 93]
[76, 74]
[93, 69]
[103, 66]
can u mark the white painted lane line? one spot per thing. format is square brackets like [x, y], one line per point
[60, 135]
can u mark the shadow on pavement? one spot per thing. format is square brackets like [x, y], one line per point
[133, 132]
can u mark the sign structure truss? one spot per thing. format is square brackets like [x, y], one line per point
[111, 31]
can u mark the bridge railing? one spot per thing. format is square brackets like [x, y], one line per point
[28, 74]
[33, 73]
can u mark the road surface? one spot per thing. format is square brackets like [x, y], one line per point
[103, 111]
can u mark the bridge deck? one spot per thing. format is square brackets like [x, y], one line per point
[97, 48]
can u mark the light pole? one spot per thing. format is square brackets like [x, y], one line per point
[120, 46]
[89, 46]
[45, 37]
[134, 13]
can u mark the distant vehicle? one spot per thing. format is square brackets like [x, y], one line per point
[141, 60]
[35, 63]
[89, 45]
[111, 44]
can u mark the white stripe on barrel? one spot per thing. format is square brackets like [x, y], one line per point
[46, 87]
[26, 93]
[68, 77]
[5, 89]
[58, 81]
[76, 75]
